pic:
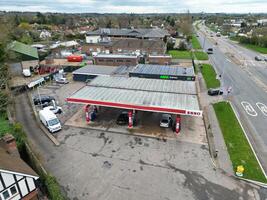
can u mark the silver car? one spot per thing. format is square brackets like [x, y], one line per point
[166, 121]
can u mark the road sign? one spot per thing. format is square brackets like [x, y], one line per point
[262, 107]
[249, 109]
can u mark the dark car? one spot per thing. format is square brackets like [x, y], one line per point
[257, 58]
[210, 51]
[42, 100]
[215, 91]
[123, 119]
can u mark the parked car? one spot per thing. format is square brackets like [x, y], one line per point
[56, 110]
[123, 118]
[42, 100]
[258, 58]
[265, 59]
[166, 121]
[210, 51]
[49, 120]
[62, 80]
[215, 91]
[26, 72]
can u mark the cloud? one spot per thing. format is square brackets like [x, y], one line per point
[135, 6]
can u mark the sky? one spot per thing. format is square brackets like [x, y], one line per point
[135, 6]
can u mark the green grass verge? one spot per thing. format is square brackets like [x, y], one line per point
[200, 55]
[180, 54]
[209, 76]
[236, 142]
[256, 48]
[195, 43]
[5, 127]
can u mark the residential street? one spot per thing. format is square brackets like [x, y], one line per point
[92, 164]
[248, 80]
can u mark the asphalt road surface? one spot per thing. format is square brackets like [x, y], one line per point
[99, 165]
[248, 80]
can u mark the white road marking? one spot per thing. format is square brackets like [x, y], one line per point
[229, 60]
[252, 62]
[249, 109]
[262, 107]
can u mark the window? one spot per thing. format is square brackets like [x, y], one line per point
[13, 190]
[6, 194]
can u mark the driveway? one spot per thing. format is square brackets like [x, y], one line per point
[91, 164]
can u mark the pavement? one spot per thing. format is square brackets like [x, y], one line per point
[248, 83]
[222, 159]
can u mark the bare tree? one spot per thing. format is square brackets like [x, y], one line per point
[185, 25]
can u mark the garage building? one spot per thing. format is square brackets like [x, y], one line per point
[169, 72]
[153, 95]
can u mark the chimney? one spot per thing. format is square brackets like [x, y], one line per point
[8, 142]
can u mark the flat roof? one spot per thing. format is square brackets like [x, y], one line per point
[139, 94]
[95, 70]
[144, 84]
[171, 70]
[61, 62]
[159, 56]
[114, 56]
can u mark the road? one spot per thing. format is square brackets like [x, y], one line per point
[99, 165]
[248, 79]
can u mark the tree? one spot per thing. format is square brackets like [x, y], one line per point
[172, 22]
[4, 40]
[185, 25]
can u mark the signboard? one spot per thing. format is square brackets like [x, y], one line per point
[197, 113]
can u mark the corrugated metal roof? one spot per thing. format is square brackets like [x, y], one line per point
[163, 70]
[143, 84]
[151, 33]
[114, 56]
[24, 49]
[139, 100]
[95, 70]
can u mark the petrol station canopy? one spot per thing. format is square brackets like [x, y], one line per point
[154, 95]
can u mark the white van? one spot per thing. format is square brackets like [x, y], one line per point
[49, 120]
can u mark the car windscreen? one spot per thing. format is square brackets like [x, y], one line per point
[164, 121]
[53, 122]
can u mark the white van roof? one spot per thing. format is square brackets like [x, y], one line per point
[48, 114]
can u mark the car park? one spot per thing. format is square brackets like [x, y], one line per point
[258, 58]
[37, 100]
[166, 121]
[215, 91]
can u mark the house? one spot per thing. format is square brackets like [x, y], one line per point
[262, 22]
[115, 59]
[130, 45]
[159, 59]
[152, 33]
[17, 179]
[45, 34]
[126, 45]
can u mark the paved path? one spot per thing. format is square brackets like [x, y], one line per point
[206, 101]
